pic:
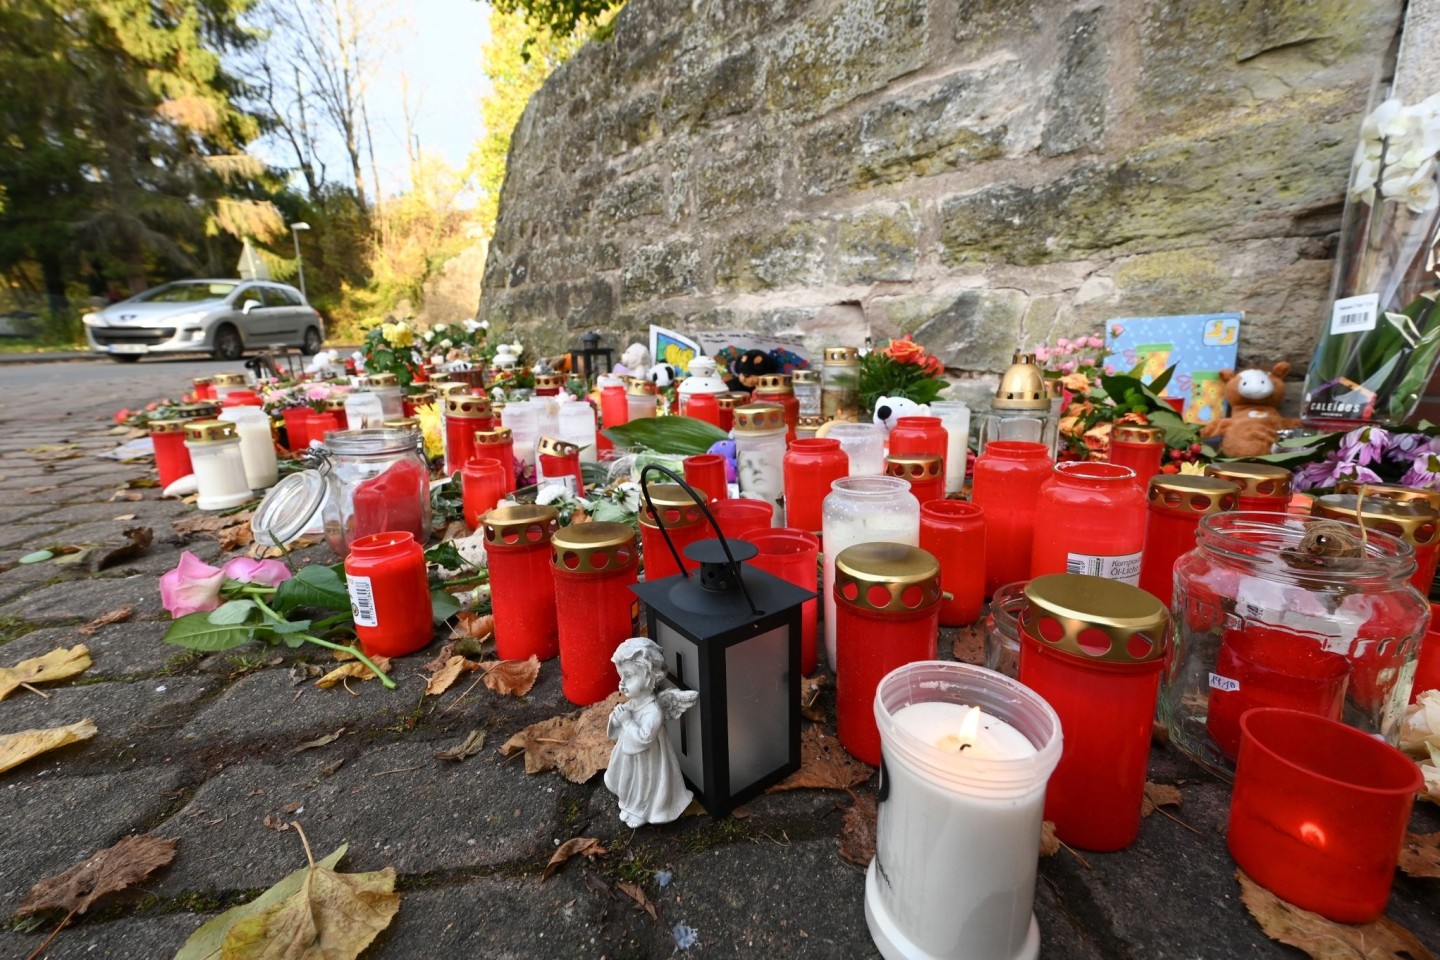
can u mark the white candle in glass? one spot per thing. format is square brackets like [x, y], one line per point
[863, 510]
[257, 445]
[864, 444]
[955, 415]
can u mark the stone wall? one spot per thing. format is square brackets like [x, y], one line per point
[984, 174]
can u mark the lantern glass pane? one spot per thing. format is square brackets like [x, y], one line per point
[682, 659]
[758, 706]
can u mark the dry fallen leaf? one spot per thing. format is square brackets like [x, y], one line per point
[137, 541]
[824, 765]
[470, 746]
[969, 644]
[127, 496]
[1159, 795]
[470, 624]
[114, 868]
[233, 531]
[634, 892]
[58, 664]
[445, 676]
[576, 743]
[1049, 843]
[513, 677]
[1322, 939]
[329, 738]
[16, 748]
[119, 615]
[124, 516]
[354, 669]
[857, 831]
[574, 847]
[810, 699]
[1420, 855]
[442, 657]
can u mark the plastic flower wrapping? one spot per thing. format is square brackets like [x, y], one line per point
[1420, 737]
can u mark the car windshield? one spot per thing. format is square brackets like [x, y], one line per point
[186, 293]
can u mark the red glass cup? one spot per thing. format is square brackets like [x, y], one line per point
[594, 566]
[1090, 519]
[737, 518]
[558, 461]
[320, 424]
[497, 445]
[396, 499]
[1264, 666]
[482, 485]
[1173, 510]
[925, 472]
[706, 473]
[614, 408]
[465, 415]
[1427, 667]
[1139, 448]
[684, 521]
[703, 406]
[1319, 812]
[919, 435]
[242, 398]
[810, 467]
[389, 594]
[954, 531]
[172, 457]
[297, 427]
[793, 555]
[1006, 485]
[522, 592]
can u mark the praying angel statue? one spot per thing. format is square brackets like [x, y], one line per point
[643, 771]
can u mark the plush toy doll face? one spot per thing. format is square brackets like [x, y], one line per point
[751, 365]
[1255, 386]
[890, 409]
[662, 375]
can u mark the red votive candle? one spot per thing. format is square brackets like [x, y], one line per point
[887, 610]
[1414, 521]
[1319, 812]
[918, 435]
[1006, 485]
[1263, 486]
[1090, 519]
[776, 388]
[465, 414]
[389, 594]
[1427, 667]
[925, 472]
[172, 457]
[320, 424]
[549, 384]
[954, 532]
[703, 406]
[738, 518]
[242, 398]
[482, 486]
[558, 461]
[727, 403]
[522, 593]
[1174, 507]
[792, 555]
[614, 408]
[393, 501]
[810, 466]
[594, 568]
[1093, 649]
[684, 522]
[1138, 447]
[497, 445]
[706, 473]
[204, 388]
[335, 407]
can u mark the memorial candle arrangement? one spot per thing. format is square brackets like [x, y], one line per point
[214, 451]
[862, 510]
[1413, 521]
[918, 435]
[726, 404]
[386, 386]
[522, 592]
[1008, 477]
[558, 461]
[257, 445]
[389, 594]
[641, 399]
[1089, 518]
[1175, 505]
[378, 482]
[1263, 486]
[594, 565]
[806, 384]
[955, 418]
[1138, 447]
[465, 415]
[864, 444]
[363, 410]
[172, 457]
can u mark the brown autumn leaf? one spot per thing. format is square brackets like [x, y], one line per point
[574, 847]
[444, 677]
[114, 868]
[969, 644]
[118, 615]
[576, 744]
[1049, 843]
[824, 765]
[126, 496]
[353, 669]
[470, 624]
[233, 530]
[468, 747]
[16, 748]
[58, 664]
[512, 677]
[857, 831]
[137, 541]
[1158, 795]
[1322, 939]
[1420, 855]
[433, 665]
[810, 699]
[634, 892]
[326, 740]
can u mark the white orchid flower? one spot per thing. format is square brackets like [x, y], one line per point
[484, 324]
[471, 325]
[628, 496]
[549, 494]
[1387, 120]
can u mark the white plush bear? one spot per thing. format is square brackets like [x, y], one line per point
[634, 362]
[890, 409]
[662, 375]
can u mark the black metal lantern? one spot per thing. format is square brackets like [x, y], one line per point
[586, 360]
[732, 633]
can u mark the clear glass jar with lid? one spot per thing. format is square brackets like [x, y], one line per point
[806, 384]
[386, 386]
[840, 384]
[760, 451]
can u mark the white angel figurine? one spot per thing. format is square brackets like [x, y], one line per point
[644, 773]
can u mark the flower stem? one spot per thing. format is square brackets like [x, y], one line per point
[380, 674]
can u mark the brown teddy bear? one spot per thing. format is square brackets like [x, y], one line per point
[1254, 397]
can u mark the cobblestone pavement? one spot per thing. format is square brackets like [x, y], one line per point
[203, 748]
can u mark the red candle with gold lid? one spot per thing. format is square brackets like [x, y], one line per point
[594, 565]
[925, 473]
[1138, 447]
[558, 461]
[684, 521]
[1263, 486]
[810, 467]
[464, 416]
[1006, 485]
[1413, 521]
[1174, 507]
[522, 593]
[918, 435]
[172, 457]
[1090, 518]
[775, 388]
[498, 445]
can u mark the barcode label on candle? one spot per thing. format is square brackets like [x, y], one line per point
[1224, 684]
[362, 601]
[1125, 568]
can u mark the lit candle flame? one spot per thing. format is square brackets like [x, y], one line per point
[969, 733]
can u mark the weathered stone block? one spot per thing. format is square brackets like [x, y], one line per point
[702, 93]
[742, 180]
[631, 124]
[793, 255]
[630, 199]
[659, 270]
[585, 304]
[1076, 105]
[878, 243]
[971, 330]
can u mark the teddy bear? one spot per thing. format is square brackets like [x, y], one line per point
[1254, 397]
[747, 369]
[890, 409]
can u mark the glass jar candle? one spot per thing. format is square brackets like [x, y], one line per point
[1139, 448]
[1390, 491]
[335, 406]
[321, 424]
[549, 384]
[760, 451]
[811, 466]
[1263, 486]
[1006, 485]
[1002, 629]
[806, 384]
[558, 461]
[918, 435]
[794, 555]
[464, 416]
[219, 470]
[197, 411]
[703, 406]
[1090, 519]
[1093, 649]
[1174, 507]
[257, 445]
[706, 473]
[498, 446]
[594, 567]
[576, 422]
[411, 402]
[204, 388]
[614, 408]
[726, 403]
[863, 510]
[1413, 521]
[641, 398]
[953, 531]
[522, 592]
[775, 388]
[227, 383]
[389, 594]
[864, 445]
[1266, 618]
[955, 418]
[363, 410]
[684, 521]
[297, 422]
[807, 427]
[887, 610]
[740, 518]
[482, 486]
[925, 472]
[172, 457]
[840, 384]
[1021, 409]
[522, 418]
[378, 483]
[386, 386]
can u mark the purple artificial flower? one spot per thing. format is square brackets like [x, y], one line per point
[1330, 471]
[1364, 445]
[1402, 447]
[1424, 472]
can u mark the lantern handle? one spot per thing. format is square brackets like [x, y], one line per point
[699, 502]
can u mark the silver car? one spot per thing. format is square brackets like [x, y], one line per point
[220, 317]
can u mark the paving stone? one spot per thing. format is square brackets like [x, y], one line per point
[131, 938]
[10, 514]
[30, 536]
[85, 600]
[150, 511]
[117, 650]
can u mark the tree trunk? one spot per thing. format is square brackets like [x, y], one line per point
[54, 273]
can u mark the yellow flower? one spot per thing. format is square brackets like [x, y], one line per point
[432, 429]
[397, 334]
[1192, 469]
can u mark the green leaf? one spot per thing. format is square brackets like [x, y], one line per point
[1158, 385]
[445, 554]
[232, 613]
[314, 586]
[194, 631]
[1178, 433]
[680, 436]
[39, 556]
[285, 627]
[442, 605]
[611, 512]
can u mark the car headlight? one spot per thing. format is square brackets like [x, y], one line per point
[93, 320]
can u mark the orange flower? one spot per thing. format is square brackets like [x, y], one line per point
[905, 350]
[1076, 383]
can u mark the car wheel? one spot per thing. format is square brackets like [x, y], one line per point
[228, 345]
[313, 342]
[125, 357]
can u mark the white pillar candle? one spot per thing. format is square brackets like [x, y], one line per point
[864, 444]
[219, 474]
[955, 415]
[257, 445]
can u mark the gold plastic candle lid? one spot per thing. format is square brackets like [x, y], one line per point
[498, 435]
[229, 379]
[1192, 496]
[546, 380]
[422, 399]
[335, 404]
[1413, 521]
[197, 411]
[841, 356]
[1136, 433]
[1095, 619]
[677, 508]
[731, 399]
[209, 431]
[526, 525]
[467, 407]
[168, 426]
[403, 423]
[597, 547]
[555, 447]
[810, 423]
[804, 376]
[1253, 479]
[1022, 386]
[384, 380]
[916, 466]
[639, 387]
[759, 418]
[203, 381]
[1390, 491]
[448, 387]
[887, 577]
[774, 384]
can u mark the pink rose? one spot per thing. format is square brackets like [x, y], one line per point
[1096, 342]
[191, 587]
[1062, 343]
[267, 573]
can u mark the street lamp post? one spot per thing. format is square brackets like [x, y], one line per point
[295, 229]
